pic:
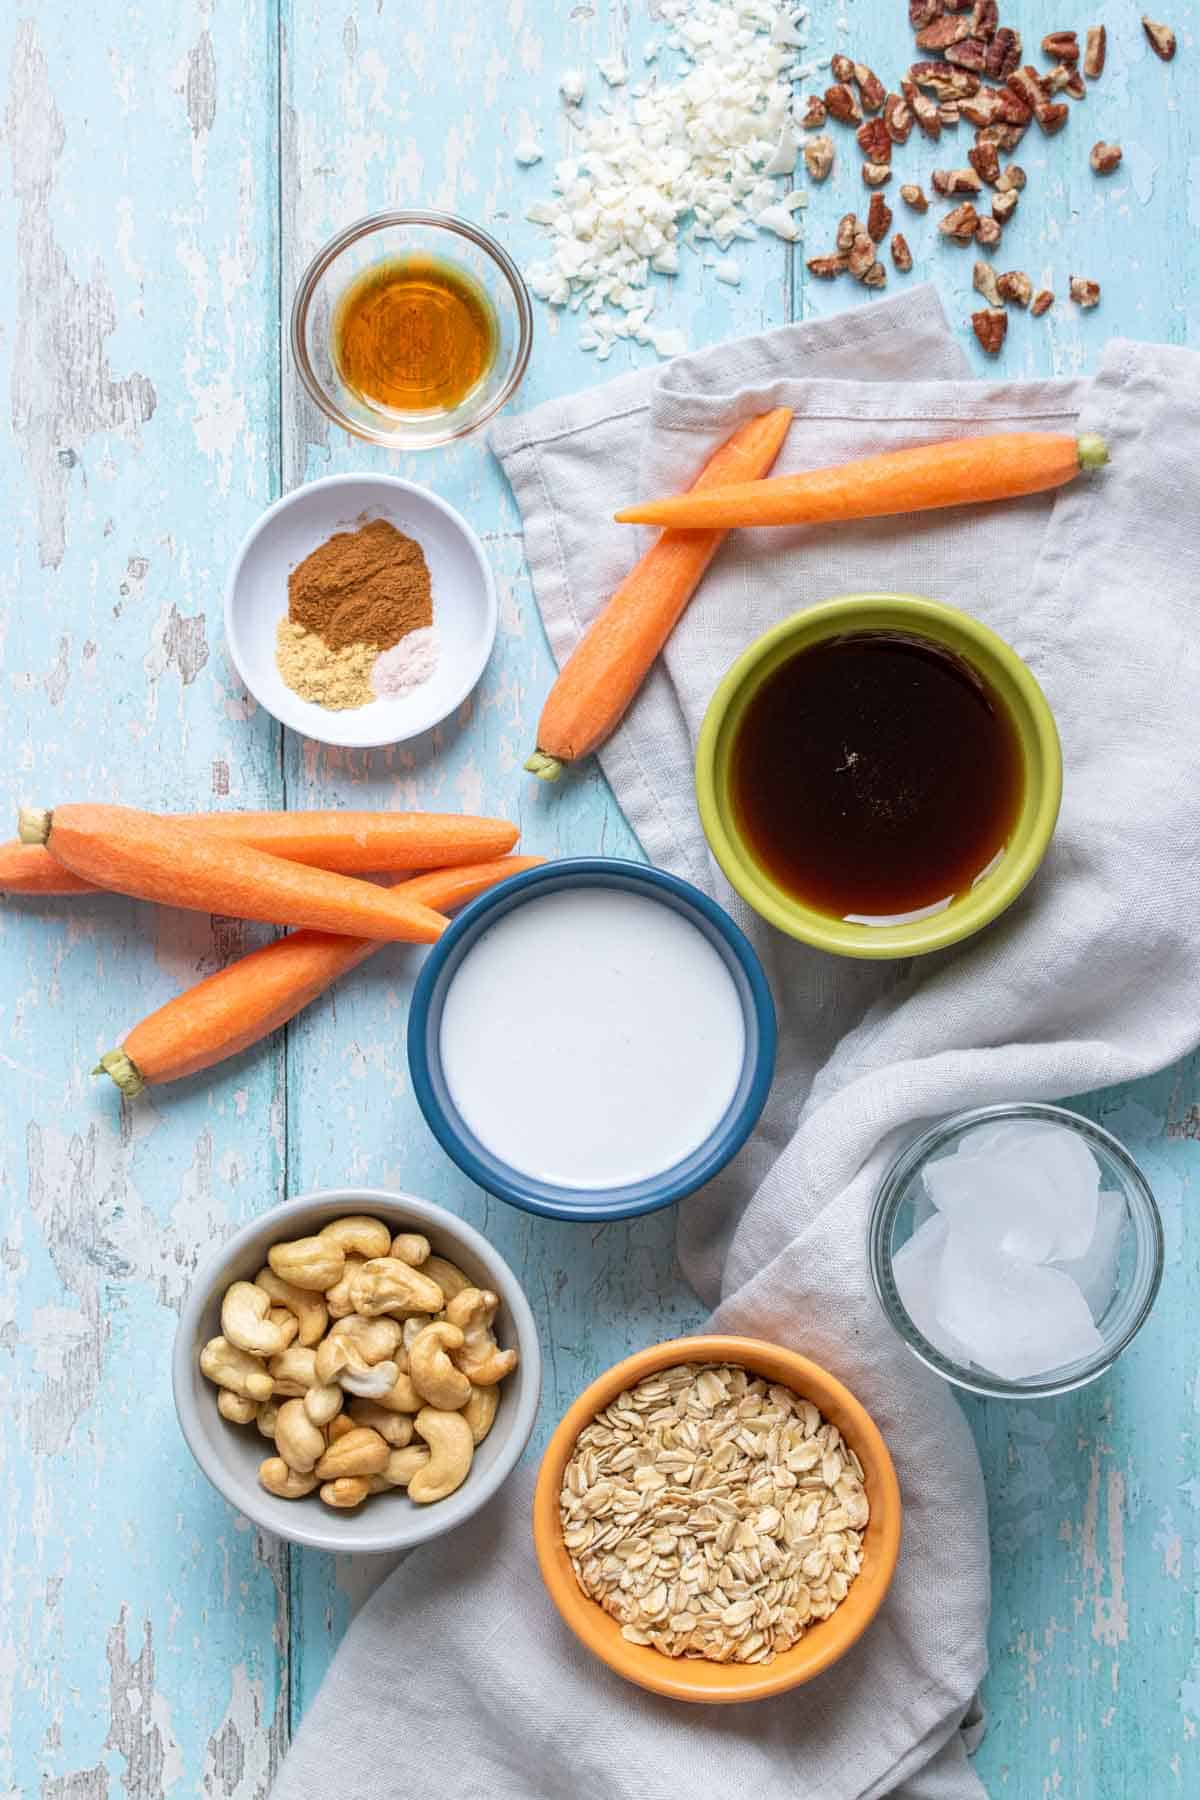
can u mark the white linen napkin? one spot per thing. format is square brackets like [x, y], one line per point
[1091, 978]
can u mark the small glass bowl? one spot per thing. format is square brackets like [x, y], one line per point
[378, 238]
[895, 1216]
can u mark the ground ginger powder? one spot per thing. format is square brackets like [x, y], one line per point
[369, 586]
[334, 679]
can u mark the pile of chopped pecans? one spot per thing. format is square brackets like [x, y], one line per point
[971, 70]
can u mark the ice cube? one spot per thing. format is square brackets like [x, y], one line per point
[917, 1267]
[1096, 1270]
[1015, 1318]
[1029, 1186]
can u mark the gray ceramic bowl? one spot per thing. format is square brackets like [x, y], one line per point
[230, 1454]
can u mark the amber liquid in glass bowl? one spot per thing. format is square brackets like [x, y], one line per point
[413, 335]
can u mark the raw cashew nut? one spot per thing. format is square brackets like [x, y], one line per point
[433, 1374]
[337, 1298]
[294, 1370]
[413, 1326]
[402, 1465]
[401, 1397]
[387, 1285]
[481, 1356]
[359, 1452]
[235, 1369]
[285, 1321]
[309, 1308]
[347, 1491]
[396, 1429]
[245, 1323]
[448, 1276]
[352, 1357]
[375, 1338]
[365, 1237]
[370, 1383]
[323, 1403]
[480, 1411]
[297, 1439]
[340, 1427]
[239, 1409]
[410, 1247]
[311, 1262]
[450, 1451]
[267, 1418]
[277, 1478]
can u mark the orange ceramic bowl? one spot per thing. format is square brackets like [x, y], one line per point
[688, 1678]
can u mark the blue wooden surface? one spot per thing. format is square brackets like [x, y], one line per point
[166, 173]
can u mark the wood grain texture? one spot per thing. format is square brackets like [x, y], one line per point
[166, 175]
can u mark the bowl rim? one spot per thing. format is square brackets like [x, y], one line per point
[889, 1196]
[382, 220]
[677, 1678]
[952, 629]
[391, 484]
[419, 1526]
[511, 1184]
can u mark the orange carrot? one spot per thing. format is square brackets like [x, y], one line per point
[157, 859]
[962, 472]
[29, 869]
[254, 996]
[609, 664]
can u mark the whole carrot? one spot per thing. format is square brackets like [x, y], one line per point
[29, 869]
[157, 859]
[961, 472]
[609, 664]
[254, 996]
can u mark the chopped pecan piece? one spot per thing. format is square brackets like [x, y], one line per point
[985, 20]
[842, 106]
[1012, 178]
[1005, 137]
[842, 69]
[990, 328]
[944, 82]
[1095, 51]
[815, 113]
[848, 229]
[1061, 46]
[955, 181]
[876, 276]
[874, 141]
[970, 54]
[1104, 158]
[876, 174]
[1004, 204]
[901, 254]
[1029, 87]
[1015, 285]
[923, 12]
[948, 113]
[956, 5]
[1085, 293]
[981, 108]
[871, 90]
[825, 268]
[879, 218]
[914, 196]
[959, 224]
[1075, 85]
[1052, 118]
[818, 157]
[1043, 300]
[985, 160]
[1162, 41]
[984, 282]
[923, 110]
[988, 232]
[942, 33]
[861, 256]
[1003, 54]
[897, 118]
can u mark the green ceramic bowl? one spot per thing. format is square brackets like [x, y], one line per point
[1004, 673]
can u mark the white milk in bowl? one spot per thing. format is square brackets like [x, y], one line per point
[592, 1038]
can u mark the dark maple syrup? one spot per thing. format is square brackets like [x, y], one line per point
[875, 775]
[414, 334]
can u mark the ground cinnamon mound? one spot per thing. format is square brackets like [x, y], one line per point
[369, 586]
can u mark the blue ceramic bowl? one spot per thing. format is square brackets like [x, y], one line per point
[548, 1198]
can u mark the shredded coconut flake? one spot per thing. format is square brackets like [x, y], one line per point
[691, 160]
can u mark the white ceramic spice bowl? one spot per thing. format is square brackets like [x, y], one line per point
[230, 1454]
[464, 604]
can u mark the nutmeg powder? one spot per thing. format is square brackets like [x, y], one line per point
[369, 586]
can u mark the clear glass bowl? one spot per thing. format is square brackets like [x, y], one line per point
[377, 239]
[901, 1204]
